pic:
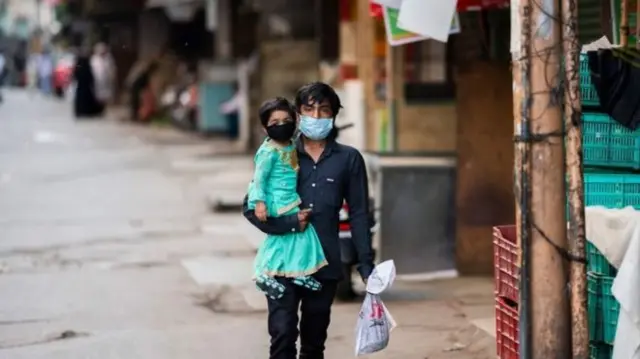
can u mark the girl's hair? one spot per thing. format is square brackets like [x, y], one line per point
[275, 104]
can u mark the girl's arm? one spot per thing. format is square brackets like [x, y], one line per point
[264, 161]
[274, 225]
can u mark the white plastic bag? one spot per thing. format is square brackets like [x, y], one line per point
[375, 323]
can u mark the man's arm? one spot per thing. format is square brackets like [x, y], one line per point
[357, 196]
[273, 225]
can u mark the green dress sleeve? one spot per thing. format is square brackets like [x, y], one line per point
[265, 160]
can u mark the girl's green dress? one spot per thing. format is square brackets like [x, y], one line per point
[291, 255]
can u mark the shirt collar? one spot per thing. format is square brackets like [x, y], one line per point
[331, 146]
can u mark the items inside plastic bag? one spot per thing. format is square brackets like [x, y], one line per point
[375, 323]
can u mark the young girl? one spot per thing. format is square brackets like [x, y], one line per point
[272, 193]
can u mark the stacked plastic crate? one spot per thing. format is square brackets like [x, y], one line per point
[611, 157]
[506, 272]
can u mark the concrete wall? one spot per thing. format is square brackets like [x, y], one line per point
[422, 127]
[427, 127]
[485, 163]
[153, 33]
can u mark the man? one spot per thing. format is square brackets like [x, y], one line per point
[329, 173]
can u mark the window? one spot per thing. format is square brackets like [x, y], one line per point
[429, 72]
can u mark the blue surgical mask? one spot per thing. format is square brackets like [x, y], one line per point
[315, 128]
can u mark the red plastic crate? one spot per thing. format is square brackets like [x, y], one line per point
[507, 331]
[505, 261]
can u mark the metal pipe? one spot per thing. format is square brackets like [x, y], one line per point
[573, 158]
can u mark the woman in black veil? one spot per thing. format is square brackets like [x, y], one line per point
[85, 102]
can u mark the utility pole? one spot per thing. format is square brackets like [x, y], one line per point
[521, 25]
[573, 144]
[549, 305]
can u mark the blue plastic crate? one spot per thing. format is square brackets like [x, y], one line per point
[587, 91]
[612, 190]
[607, 143]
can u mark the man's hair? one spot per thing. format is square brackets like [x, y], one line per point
[318, 92]
[275, 104]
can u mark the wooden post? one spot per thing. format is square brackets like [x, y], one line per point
[550, 329]
[573, 145]
[624, 23]
[394, 79]
[365, 32]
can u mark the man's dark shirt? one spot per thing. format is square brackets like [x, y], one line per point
[339, 174]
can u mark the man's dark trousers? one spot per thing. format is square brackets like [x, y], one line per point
[315, 315]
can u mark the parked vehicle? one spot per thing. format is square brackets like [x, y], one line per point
[63, 74]
[349, 255]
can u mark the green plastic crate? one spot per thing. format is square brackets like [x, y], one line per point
[612, 190]
[603, 309]
[610, 310]
[609, 144]
[598, 263]
[600, 351]
[594, 311]
[587, 91]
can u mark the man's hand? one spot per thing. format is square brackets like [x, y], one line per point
[261, 211]
[303, 218]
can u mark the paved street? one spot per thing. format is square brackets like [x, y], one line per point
[108, 250]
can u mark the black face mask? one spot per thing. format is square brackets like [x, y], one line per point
[282, 132]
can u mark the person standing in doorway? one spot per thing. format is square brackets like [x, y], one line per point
[104, 72]
[45, 65]
[329, 173]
